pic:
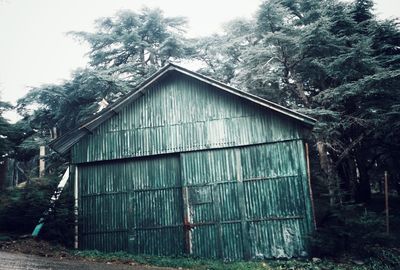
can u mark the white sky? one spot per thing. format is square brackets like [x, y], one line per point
[35, 50]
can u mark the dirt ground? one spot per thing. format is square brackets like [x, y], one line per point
[36, 254]
[35, 247]
[17, 261]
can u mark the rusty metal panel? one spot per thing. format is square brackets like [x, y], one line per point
[182, 114]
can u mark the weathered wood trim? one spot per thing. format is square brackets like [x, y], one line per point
[187, 221]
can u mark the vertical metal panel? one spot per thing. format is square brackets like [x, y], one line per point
[182, 114]
[276, 199]
[277, 238]
[103, 204]
[204, 241]
[157, 207]
[228, 203]
[213, 172]
[242, 205]
[232, 241]
[76, 206]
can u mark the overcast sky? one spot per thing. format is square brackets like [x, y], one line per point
[35, 50]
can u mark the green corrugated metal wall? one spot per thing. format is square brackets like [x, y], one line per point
[181, 114]
[242, 203]
[135, 199]
[189, 169]
[240, 194]
[103, 205]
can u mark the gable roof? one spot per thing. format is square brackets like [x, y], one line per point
[65, 142]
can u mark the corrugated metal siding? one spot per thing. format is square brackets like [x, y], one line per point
[187, 168]
[246, 202]
[258, 208]
[157, 211]
[181, 114]
[134, 205]
[103, 203]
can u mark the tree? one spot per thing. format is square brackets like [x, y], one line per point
[362, 10]
[124, 50]
[336, 62]
[69, 104]
[5, 130]
[330, 59]
[134, 45]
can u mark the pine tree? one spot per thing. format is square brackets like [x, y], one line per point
[134, 45]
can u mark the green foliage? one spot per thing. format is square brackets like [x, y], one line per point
[124, 50]
[24, 141]
[67, 105]
[21, 209]
[135, 44]
[333, 60]
[384, 258]
[176, 262]
[350, 230]
[387, 259]
[362, 10]
[5, 131]
[330, 59]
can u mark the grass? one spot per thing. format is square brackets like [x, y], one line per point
[207, 264]
[176, 262]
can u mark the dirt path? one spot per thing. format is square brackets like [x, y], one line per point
[15, 261]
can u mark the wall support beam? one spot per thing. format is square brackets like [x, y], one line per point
[187, 221]
[76, 205]
[242, 206]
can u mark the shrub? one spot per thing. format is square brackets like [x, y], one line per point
[349, 229]
[21, 209]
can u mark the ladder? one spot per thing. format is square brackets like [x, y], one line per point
[53, 199]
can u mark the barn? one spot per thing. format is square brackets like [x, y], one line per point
[185, 164]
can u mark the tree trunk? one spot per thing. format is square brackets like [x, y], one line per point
[3, 173]
[327, 168]
[42, 163]
[301, 94]
[363, 187]
[348, 176]
[142, 60]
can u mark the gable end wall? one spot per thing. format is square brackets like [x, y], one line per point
[180, 114]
